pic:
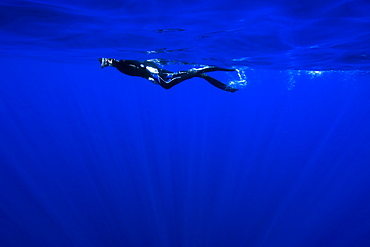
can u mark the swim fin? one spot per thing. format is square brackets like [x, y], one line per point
[217, 83]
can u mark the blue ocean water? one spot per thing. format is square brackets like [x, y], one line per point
[92, 157]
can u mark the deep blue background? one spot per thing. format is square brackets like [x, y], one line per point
[92, 157]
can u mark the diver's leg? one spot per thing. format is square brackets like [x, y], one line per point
[218, 84]
[168, 80]
[175, 78]
[209, 69]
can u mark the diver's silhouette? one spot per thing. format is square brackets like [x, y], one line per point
[166, 79]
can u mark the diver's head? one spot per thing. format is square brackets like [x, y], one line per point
[104, 62]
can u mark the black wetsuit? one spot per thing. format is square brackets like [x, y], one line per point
[167, 79]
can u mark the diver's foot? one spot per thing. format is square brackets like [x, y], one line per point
[105, 62]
